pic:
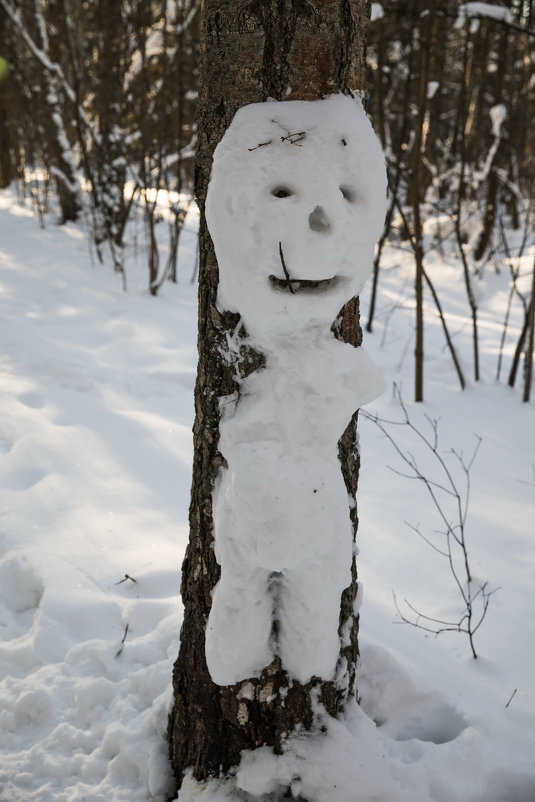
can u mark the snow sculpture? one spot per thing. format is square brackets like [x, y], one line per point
[295, 203]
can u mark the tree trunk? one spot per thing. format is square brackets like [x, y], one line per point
[252, 51]
[111, 162]
[60, 157]
[7, 172]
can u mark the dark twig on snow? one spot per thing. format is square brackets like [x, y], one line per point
[126, 576]
[510, 698]
[294, 139]
[260, 145]
[283, 263]
[120, 651]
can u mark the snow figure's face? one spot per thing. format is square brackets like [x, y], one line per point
[295, 204]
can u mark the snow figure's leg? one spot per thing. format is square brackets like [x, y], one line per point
[239, 625]
[308, 612]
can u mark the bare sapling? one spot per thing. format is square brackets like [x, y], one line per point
[449, 341]
[514, 261]
[528, 374]
[450, 498]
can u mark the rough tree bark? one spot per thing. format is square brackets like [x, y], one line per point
[111, 163]
[53, 123]
[251, 51]
[7, 172]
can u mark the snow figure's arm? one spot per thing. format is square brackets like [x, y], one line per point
[360, 376]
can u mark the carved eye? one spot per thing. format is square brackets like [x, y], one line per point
[348, 193]
[281, 192]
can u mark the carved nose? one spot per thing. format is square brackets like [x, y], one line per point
[318, 220]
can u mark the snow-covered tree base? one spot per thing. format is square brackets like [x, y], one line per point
[341, 761]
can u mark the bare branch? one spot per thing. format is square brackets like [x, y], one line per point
[444, 492]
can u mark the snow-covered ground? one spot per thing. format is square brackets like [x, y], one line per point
[96, 409]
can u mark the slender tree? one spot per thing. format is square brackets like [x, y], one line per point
[7, 172]
[252, 51]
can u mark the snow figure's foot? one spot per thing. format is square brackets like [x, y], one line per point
[309, 601]
[239, 627]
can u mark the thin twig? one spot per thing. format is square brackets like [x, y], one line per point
[294, 139]
[120, 651]
[283, 263]
[260, 145]
[455, 548]
[126, 576]
[510, 698]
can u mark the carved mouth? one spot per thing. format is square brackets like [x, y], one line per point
[297, 285]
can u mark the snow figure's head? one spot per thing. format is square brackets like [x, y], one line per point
[295, 204]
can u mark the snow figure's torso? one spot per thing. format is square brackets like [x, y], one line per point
[295, 204]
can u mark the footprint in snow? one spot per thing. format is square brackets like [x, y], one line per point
[399, 707]
[503, 786]
[21, 591]
[24, 478]
[32, 400]
[5, 444]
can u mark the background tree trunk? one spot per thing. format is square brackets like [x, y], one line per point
[59, 155]
[251, 51]
[7, 173]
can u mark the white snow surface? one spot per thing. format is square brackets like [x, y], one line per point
[297, 191]
[497, 115]
[95, 457]
[477, 9]
[377, 12]
[432, 87]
